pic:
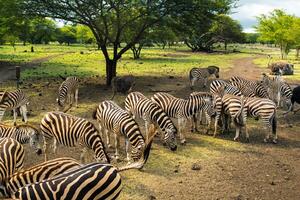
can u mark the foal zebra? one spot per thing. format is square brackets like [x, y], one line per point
[182, 109]
[23, 134]
[93, 181]
[70, 130]
[35, 174]
[11, 157]
[233, 106]
[67, 91]
[249, 88]
[266, 110]
[202, 74]
[218, 86]
[113, 118]
[140, 106]
[13, 100]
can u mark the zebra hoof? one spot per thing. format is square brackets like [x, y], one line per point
[236, 139]
[274, 141]
[109, 146]
[247, 140]
[265, 140]
[183, 142]
[117, 158]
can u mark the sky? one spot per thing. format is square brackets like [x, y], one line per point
[247, 10]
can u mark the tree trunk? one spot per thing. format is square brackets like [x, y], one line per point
[225, 45]
[297, 52]
[111, 70]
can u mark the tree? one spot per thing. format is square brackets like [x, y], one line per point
[84, 35]
[224, 29]
[108, 20]
[42, 31]
[66, 34]
[277, 28]
[251, 38]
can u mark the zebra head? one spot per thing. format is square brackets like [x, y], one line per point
[61, 102]
[34, 136]
[100, 152]
[170, 138]
[3, 190]
[137, 152]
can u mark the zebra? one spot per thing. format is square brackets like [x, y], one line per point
[91, 181]
[203, 74]
[279, 88]
[181, 109]
[23, 134]
[249, 88]
[36, 173]
[11, 157]
[266, 110]
[217, 106]
[140, 106]
[233, 106]
[12, 100]
[218, 86]
[70, 130]
[112, 118]
[67, 91]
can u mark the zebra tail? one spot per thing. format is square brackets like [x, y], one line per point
[140, 164]
[240, 114]
[274, 124]
[63, 78]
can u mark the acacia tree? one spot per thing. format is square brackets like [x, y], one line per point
[108, 20]
[277, 28]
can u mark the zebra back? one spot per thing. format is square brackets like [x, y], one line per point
[141, 106]
[11, 157]
[13, 99]
[221, 87]
[113, 118]
[91, 181]
[70, 130]
[37, 173]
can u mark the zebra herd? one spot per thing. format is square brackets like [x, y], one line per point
[64, 178]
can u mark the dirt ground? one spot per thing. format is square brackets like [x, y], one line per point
[228, 170]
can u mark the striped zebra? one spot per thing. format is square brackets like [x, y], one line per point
[202, 74]
[266, 110]
[67, 91]
[12, 100]
[182, 109]
[279, 88]
[233, 107]
[70, 130]
[140, 106]
[11, 157]
[249, 88]
[37, 173]
[23, 134]
[221, 86]
[93, 181]
[217, 106]
[112, 118]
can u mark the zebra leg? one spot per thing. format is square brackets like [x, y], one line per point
[209, 122]
[127, 150]
[83, 155]
[76, 97]
[181, 123]
[117, 145]
[54, 146]
[15, 116]
[278, 99]
[45, 149]
[146, 131]
[237, 132]
[247, 133]
[107, 139]
[216, 124]
[23, 110]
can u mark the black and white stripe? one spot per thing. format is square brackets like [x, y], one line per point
[112, 118]
[37, 173]
[183, 109]
[12, 100]
[70, 130]
[67, 92]
[233, 107]
[92, 181]
[221, 87]
[249, 88]
[266, 110]
[202, 74]
[24, 134]
[11, 157]
[142, 107]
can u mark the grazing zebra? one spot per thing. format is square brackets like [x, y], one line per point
[233, 106]
[279, 88]
[218, 86]
[266, 110]
[249, 88]
[37, 173]
[67, 91]
[140, 106]
[182, 109]
[112, 118]
[202, 74]
[11, 157]
[92, 181]
[70, 130]
[13, 100]
[23, 134]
